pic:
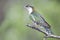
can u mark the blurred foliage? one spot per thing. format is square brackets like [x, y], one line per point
[14, 25]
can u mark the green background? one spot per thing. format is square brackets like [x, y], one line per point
[16, 17]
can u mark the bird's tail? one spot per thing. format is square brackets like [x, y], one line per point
[49, 31]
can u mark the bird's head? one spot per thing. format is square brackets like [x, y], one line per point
[29, 8]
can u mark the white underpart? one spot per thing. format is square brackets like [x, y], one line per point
[30, 10]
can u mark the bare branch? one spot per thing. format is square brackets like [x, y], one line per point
[44, 32]
[33, 27]
[53, 36]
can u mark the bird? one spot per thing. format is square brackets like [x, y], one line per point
[37, 18]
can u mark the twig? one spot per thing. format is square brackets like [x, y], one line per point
[44, 32]
[53, 36]
[33, 27]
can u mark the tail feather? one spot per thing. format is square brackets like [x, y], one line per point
[49, 30]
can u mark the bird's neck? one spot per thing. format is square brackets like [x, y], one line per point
[30, 10]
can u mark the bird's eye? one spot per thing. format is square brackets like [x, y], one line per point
[27, 6]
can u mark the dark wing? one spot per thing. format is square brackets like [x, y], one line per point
[40, 20]
[44, 22]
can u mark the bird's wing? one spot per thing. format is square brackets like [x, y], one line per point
[39, 19]
[44, 23]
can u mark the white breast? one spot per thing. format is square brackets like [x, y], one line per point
[29, 10]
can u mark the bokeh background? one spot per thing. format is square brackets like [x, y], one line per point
[15, 17]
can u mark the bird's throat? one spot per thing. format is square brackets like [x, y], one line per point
[30, 10]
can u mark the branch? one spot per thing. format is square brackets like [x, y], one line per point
[33, 27]
[44, 32]
[53, 36]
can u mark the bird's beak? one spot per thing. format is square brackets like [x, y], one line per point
[25, 7]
